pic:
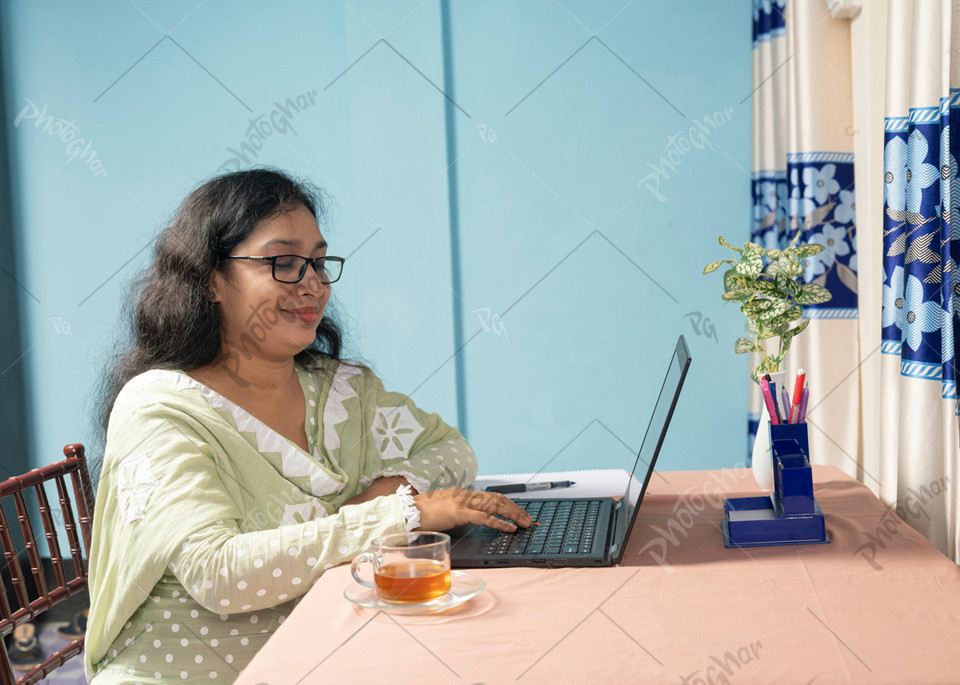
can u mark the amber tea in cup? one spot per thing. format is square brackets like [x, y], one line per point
[408, 568]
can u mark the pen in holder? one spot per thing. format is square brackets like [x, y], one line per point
[788, 516]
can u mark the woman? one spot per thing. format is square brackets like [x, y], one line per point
[243, 458]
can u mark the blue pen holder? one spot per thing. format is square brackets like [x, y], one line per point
[790, 515]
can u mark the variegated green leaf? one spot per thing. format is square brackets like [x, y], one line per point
[792, 314]
[750, 265]
[713, 266]
[785, 343]
[744, 345]
[737, 295]
[787, 285]
[774, 254]
[798, 268]
[752, 247]
[768, 288]
[812, 293]
[772, 331]
[726, 244]
[768, 365]
[792, 333]
[765, 305]
[733, 281]
[808, 250]
[787, 266]
[774, 309]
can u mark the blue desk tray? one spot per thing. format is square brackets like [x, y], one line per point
[790, 515]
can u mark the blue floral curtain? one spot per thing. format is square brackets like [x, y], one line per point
[920, 446]
[921, 242]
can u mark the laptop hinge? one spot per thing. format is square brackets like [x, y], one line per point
[614, 546]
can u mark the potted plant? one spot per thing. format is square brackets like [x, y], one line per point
[771, 296]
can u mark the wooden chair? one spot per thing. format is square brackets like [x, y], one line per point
[25, 609]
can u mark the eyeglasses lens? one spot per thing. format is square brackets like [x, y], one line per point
[291, 269]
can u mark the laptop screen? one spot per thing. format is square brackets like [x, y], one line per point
[652, 441]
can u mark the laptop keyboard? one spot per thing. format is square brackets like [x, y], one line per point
[559, 527]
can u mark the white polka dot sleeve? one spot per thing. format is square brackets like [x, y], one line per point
[406, 441]
[227, 571]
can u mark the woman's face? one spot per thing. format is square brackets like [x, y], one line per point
[261, 316]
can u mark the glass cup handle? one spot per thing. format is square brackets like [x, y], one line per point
[366, 556]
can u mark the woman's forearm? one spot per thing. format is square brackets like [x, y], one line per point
[382, 486]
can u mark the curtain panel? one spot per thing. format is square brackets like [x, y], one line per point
[920, 441]
[802, 168]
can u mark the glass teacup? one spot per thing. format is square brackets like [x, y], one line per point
[408, 567]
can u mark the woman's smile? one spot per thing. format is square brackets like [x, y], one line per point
[305, 314]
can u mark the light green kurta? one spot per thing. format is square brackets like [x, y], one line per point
[209, 525]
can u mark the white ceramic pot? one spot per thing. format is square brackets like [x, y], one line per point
[762, 454]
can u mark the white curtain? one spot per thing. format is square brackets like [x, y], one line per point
[803, 176]
[920, 432]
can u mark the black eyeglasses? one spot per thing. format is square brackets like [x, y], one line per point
[290, 268]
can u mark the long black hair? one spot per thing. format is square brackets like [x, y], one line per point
[174, 325]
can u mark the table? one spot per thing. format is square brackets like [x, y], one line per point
[879, 604]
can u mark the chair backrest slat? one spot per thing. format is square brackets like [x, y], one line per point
[4, 602]
[83, 491]
[50, 531]
[11, 557]
[70, 525]
[30, 542]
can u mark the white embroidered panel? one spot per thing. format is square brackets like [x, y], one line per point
[135, 484]
[293, 461]
[334, 412]
[394, 431]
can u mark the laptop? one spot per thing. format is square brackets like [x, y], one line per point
[579, 531]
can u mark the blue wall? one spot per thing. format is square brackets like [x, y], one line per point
[502, 196]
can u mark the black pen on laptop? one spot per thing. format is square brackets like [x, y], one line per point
[530, 487]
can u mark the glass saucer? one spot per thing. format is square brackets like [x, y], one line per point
[463, 587]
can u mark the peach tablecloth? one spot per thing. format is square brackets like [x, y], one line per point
[879, 604]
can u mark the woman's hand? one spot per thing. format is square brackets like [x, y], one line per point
[443, 509]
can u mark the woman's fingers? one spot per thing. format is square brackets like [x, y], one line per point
[511, 510]
[496, 503]
[482, 518]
